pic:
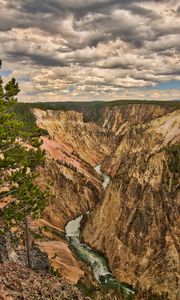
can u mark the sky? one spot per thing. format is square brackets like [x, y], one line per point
[83, 50]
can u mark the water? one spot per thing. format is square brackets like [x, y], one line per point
[72, 228]
[97, 262]
[106, 178]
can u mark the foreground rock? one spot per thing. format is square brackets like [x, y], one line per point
[17, 282]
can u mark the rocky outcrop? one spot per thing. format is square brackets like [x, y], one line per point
[11, 251]
[17, 282]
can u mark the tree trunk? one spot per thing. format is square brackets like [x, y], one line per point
[27, 244]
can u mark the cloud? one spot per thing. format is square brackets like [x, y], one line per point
[94, 48]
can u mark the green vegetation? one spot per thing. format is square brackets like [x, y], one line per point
[23, 113]
[18, 165]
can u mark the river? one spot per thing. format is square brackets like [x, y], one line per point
[98, 263]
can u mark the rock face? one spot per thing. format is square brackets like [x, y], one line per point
[72, 184]
[71, 192]
[17, 282]
[119, 118]
[87, 140]
[136, 225]
[135, 221]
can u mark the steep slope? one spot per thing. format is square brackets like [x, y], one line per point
[136, 225]
[87, 140]
[72, 190]
[119, 118]
[133, 222]
[73, 186]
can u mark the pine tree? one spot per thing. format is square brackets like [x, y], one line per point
[18, 166]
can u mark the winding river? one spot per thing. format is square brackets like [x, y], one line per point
[97, 262]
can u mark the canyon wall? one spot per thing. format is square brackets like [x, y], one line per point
[69, 179]
[87, 141]
[136, 225]
[135, 221]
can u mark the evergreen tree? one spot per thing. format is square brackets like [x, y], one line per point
[18, 166]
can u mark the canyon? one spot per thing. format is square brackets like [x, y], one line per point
[134, 221]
